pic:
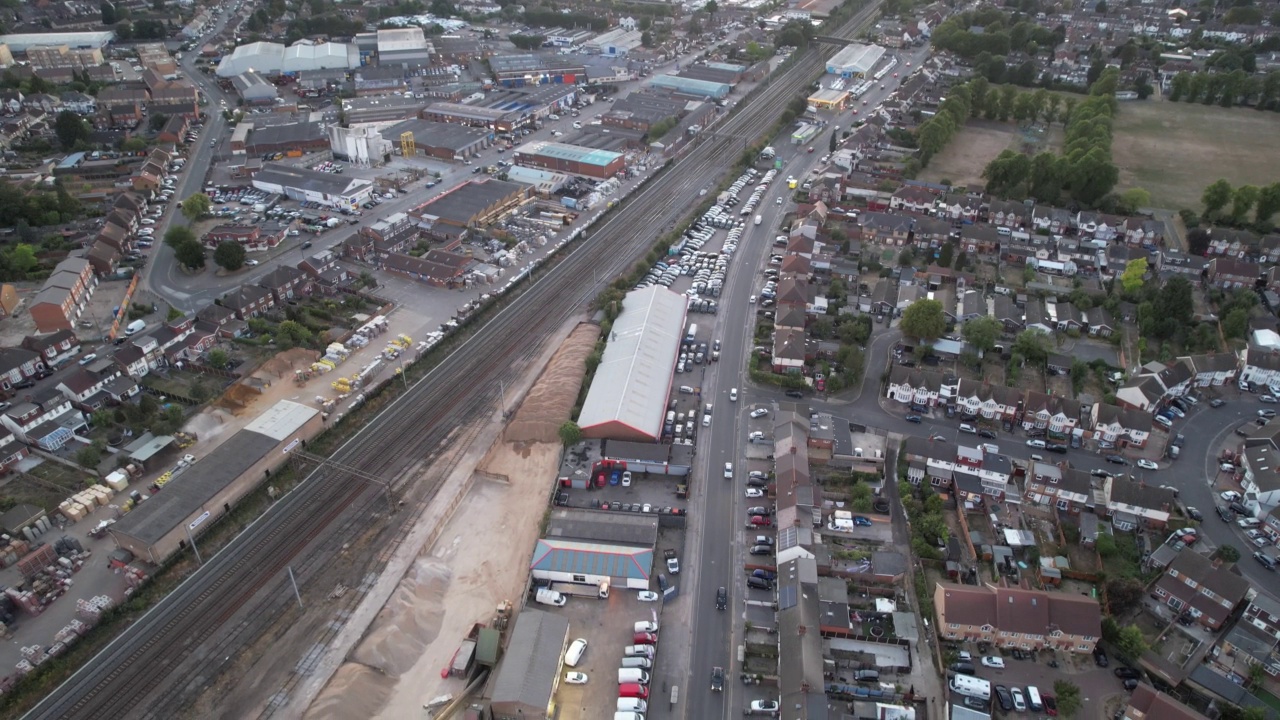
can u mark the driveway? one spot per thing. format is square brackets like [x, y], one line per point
[1096, 684]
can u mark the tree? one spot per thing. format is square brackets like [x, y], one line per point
[1131, 644]
[186, 249]
[982, 332]
[218, 358]
[833, 143]
[108, 10]
[924, 320]
[157, 122]
[229, 255]
[1123, 595]
[1134, 198]
[1079, 374]
[70, 129]
[291, 333]
[1216, 197]
[1068, 696]
[1268, 203]
[1236, 323]
[1134, 276]
[1033, 345]
[570, 433]
[196, 206]
[89, 457]
[1242, 201]
[1229, 553]
[712, 7]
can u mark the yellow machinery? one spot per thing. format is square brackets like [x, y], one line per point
[407, 146]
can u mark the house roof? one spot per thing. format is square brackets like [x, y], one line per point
[531, 661]
[1021, 611]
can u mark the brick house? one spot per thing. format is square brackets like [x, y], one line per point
[1067, 489]
[1015, 618]
[248, 301]
[1120, 426]
[54, 348]
[1228, 273]
[1207, 590]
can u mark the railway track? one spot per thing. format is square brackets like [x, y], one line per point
[143, 664]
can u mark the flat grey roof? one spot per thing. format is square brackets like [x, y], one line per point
[532, 660]
[186, 493]
[295, 132]
[450, 136]
[307, 179]
[465, 201]
[599, 526]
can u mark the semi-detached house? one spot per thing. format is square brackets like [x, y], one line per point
[1067, 489]
[1207, 590]
[1015, 618]
[919, 388]
[1049, 412]
[997, 403]
[1261, 365]
[46, 420]
[18, 365]
[1121, 426]
[1213, 369]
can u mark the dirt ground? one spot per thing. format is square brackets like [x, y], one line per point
[1211, 142]
[964, 159]
[551, 399]
[459, 580]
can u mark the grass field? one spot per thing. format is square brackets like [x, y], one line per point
[964, 159]
[1173, 150]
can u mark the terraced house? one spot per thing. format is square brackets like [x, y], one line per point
[1013, 618]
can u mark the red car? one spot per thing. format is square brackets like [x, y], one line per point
[644, 638]
[760, 521]
[633, 690]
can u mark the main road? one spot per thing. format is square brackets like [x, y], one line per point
[171, 651]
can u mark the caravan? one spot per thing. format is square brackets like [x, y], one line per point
[971, 686]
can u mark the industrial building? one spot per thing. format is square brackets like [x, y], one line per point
[208, 489]
[628, 396]
[521, 70]
[296, 138]
[639, 111]
[855, 61]
[20, 42]
[406, 47]
[828, 99]
[544, 182]
[387, 109]
[440, 140]
[305, 184]
[533, 100]
[529, 673]
[589, 547]
[618, 42]
[471, 204]
[364, 145]
[459, 114]
[274, 59]
[560, 157]
[691, 86]
[255, 89]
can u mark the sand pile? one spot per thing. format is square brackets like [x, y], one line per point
[409, 622]
[550, 401]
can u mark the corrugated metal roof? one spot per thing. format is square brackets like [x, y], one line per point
[634, 376]
[586, 558]
[282, 419]
[574, 153]
[532, 660]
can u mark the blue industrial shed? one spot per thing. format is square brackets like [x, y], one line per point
[591, 563]
[691, 86]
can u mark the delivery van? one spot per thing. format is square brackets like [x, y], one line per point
[547, 596]
[136, 326]
[624, 715]
[632, 705]
[632, 675]
[637, 662]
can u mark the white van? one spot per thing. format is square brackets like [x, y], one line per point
[636, 662]
[547, 596]
[632, 675]
[632, 705]
[628, 716]
[971, 686]
[134, 327]
[1033, 699]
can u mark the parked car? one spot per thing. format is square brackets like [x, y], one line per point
[913, 419]
[1126, 673]
[1004, 698]
[992, 661]
[1146, 464]
[1217, 403]
[1116, 459]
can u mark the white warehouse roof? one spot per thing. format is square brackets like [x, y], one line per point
[273, 58]
[855, 59]
[628, 396]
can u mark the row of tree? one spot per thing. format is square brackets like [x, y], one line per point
[1225, 204]
[1085, 168]
[38, 208]
[978, 98]
[1000, 34]
[1236, 87]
